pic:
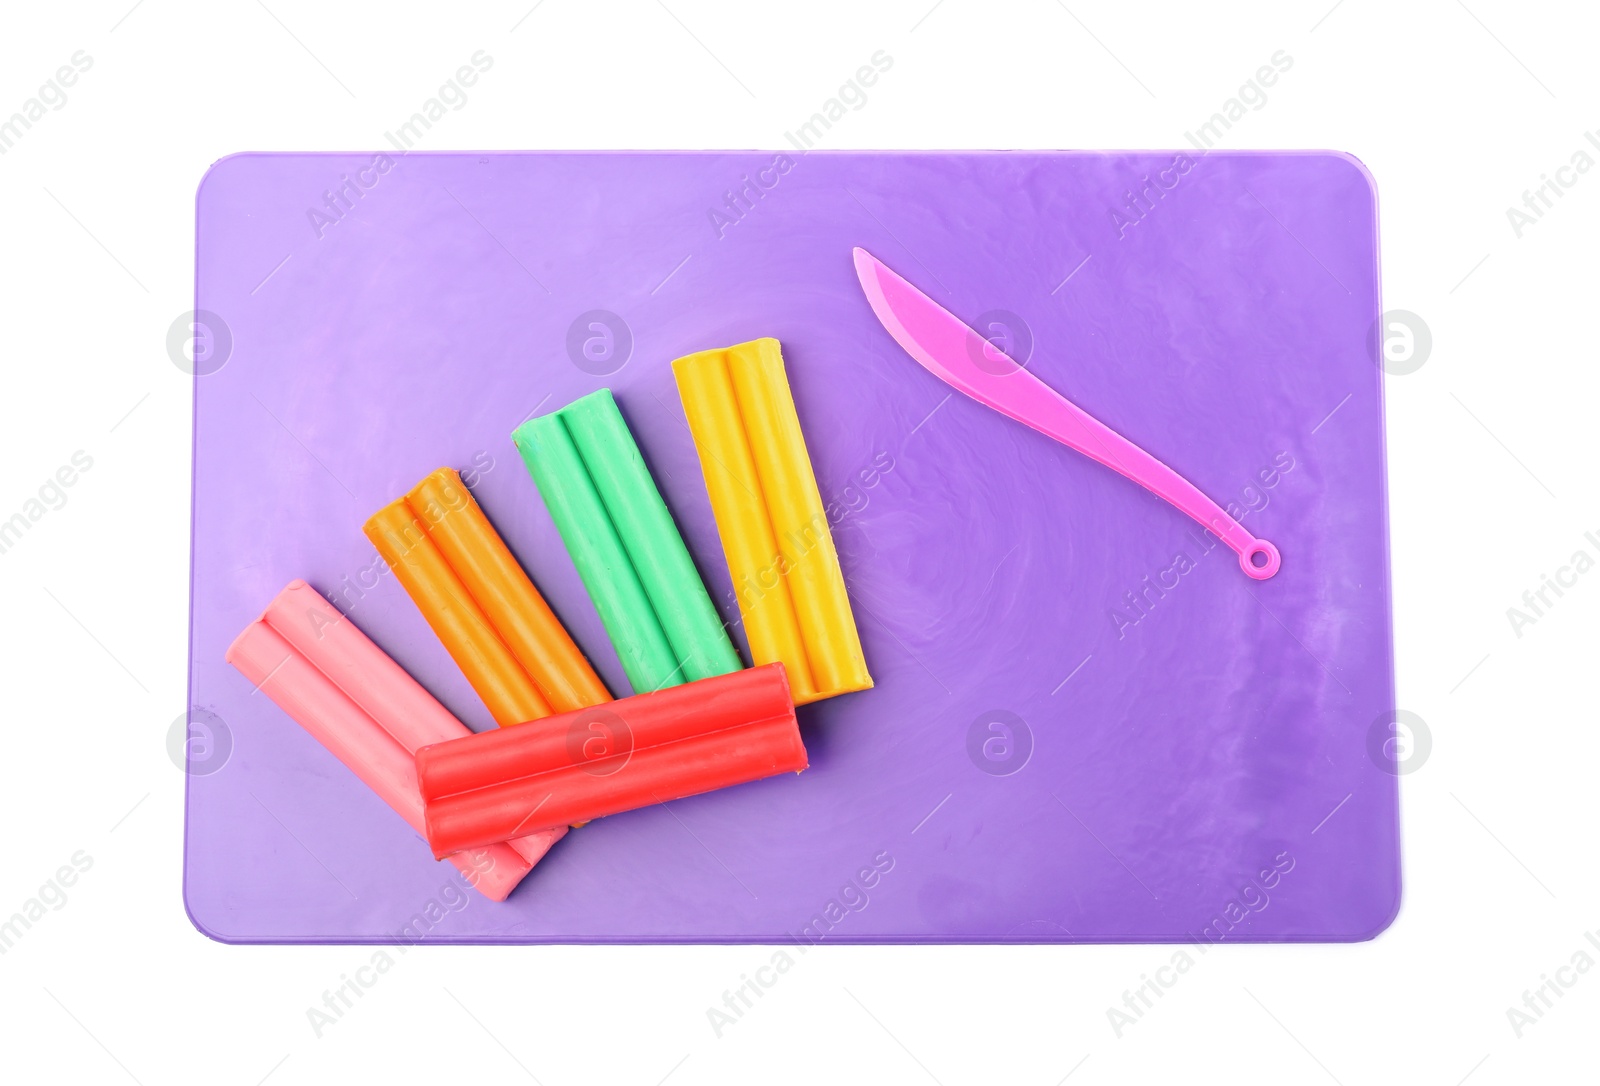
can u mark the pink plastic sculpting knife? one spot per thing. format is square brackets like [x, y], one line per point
[951, 352]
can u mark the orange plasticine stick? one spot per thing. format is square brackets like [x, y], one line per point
[490, 617]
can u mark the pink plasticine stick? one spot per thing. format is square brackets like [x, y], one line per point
[371, 714]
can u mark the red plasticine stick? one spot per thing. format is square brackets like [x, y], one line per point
[372, 715]
[592, 762]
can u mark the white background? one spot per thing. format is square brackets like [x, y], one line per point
[1456, 110]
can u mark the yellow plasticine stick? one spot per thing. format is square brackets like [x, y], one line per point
[769, 514]
[816, 584]
[747, 542]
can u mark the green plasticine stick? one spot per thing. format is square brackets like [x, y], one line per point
[625, 545]
[556, 467]
[660, 560]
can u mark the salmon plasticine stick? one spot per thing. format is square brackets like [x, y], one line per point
[362, 706]
[496, 626]
[634, 752]
[623, 540]
[769, 514]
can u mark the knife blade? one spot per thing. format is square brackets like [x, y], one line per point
[970, 364]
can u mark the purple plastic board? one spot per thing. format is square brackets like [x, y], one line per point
[1086, 726]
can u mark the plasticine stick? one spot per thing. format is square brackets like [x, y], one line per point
[747, 540]
[656, 550]
[508, 599]
[634, 752]
[815, 581]
[364, 708]
[625, 545]
[480, 603]
[774, 529]
[597, 552]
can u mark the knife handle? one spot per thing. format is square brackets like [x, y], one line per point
[1059, 418]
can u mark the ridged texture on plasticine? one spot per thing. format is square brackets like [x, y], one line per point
[634, 752]
[625, 544]
[492, 620]
[774, 529]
